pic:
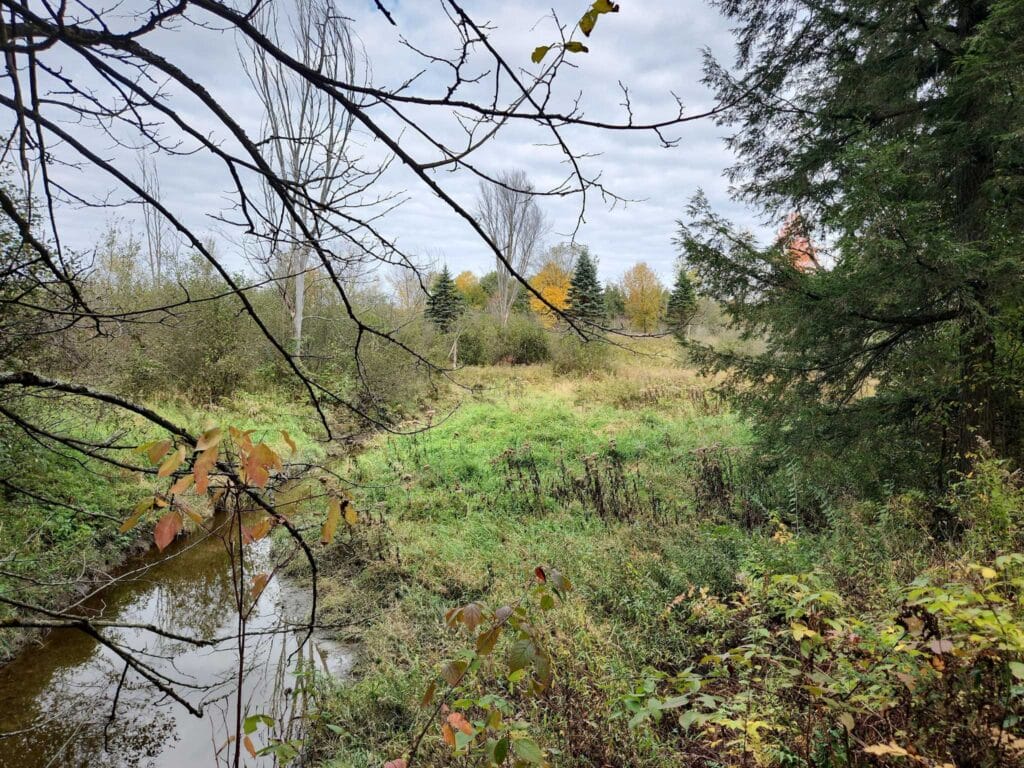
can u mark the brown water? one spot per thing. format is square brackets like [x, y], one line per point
[56, 698]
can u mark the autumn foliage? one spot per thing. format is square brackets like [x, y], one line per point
[644, 294]
[551, 282]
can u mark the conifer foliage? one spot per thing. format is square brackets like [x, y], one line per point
[445, 303]
[905, 164]
[586, 298]
[682, 304]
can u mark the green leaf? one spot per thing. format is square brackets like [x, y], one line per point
[1017, 669]
[521, 655]
[252, 722]
[528, 751]
[497, 751]
[693, 717]
[575, 46]
[539, 53]
[587, 22]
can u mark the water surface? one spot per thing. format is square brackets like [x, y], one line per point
[57, 697]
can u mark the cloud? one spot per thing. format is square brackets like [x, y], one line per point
[654, 48]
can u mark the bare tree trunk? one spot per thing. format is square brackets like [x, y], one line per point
[509, 214]
[307, 136]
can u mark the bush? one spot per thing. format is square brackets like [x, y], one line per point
[478, 341]
[786, 675]
[573, 355]
[484, 342]
[522, 342]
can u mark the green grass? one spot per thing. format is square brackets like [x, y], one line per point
[461, 505]
[468, 528]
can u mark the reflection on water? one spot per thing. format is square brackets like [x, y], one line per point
[56, 699]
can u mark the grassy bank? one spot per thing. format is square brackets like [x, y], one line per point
[626, 483]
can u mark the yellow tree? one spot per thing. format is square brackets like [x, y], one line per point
[552, 282]
[643, 297]
[470, 288]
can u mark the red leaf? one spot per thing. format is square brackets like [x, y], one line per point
[458, 720]
[167, 529]
[472, 615]
[448, 735]
[539, 573]
[399, 763]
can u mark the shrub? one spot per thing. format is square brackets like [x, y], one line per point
[789, 675]
[483, 341]
[522, 342]
[573, 355]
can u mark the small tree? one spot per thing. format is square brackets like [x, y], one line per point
[552, 282]
[644, 293]
[445, 304]
[470, 289]
[586, 299]
[614, 301]
[682, 305]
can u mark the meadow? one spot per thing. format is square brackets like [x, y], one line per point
[704, 624]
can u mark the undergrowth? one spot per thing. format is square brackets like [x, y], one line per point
[700, 606]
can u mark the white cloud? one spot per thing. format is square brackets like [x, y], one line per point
[653, 47]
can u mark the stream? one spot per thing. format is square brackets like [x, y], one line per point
[56, 696]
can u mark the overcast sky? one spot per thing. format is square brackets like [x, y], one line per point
[652, 46]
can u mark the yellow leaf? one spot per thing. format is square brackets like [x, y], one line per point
[210, 438]
[140, 509]
[331, 524]
[886, 749]
[288, 440]
[350, 513]
[172, 462]
[194, 516]
[261, 529]
[155, 451]
[182, 484]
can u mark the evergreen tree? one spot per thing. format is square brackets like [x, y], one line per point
[586, 299]
[892, 128]
[614, 301]
[445, 303]
[682, 304]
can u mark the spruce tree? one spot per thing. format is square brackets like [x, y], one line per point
[444, 305]
[682, 305]
[893, 130]
[586, 298]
